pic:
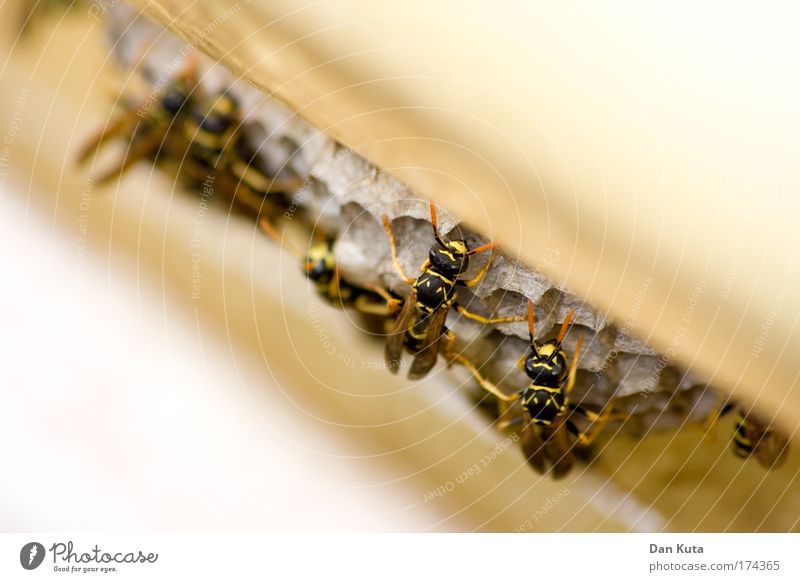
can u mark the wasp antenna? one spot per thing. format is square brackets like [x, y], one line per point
[482, 248]
[564, 326]
[267, 227]
[189, 68]
[530, 327]
[435, 224]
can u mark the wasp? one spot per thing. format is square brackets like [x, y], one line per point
[752, 437]
[319, 265]
[420, 325]
[210, 129]
[151, 129]
[217, 147]
[549, 434]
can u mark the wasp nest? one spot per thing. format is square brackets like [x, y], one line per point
[344, 197]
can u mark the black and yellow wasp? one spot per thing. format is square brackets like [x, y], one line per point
[217, 147]
[198, 137]
[752, 437]
[151, 130]
[212, 128]
[549, 433]
[319, 265]
[420, 325]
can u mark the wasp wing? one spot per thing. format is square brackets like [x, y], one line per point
[560, 448]
[548, 448]
[533, 447]
[769, 446]
[394, 342]
[533, 443]
[118, 127]
[425, 359]
[144, 145]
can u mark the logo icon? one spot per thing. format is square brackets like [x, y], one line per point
[31, 555]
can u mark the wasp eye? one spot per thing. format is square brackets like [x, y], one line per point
[174, 100]
[215, 123]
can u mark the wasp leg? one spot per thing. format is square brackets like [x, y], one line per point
[483, 381]
[447, 350]
[364, 305]
[715, 412]
[281, 239]
[595, 416]
[482, 272]
[721, 406]
[132, 156]
[378, 290]
[509, 423]
[117, 127]
[261, 182]
[392, 303]
[598, 423]
[521, 362]
[333, 287]
[269, 230]
[249, 199]
[284, 185]
[486, 320]
[397, 266]
[573, 368]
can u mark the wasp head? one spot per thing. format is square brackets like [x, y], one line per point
[320, 263]
[175, 96]
[450, 258]
[547, 366]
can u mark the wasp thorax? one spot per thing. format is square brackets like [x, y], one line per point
[217, 118]
[543, 404]
[451, 260]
